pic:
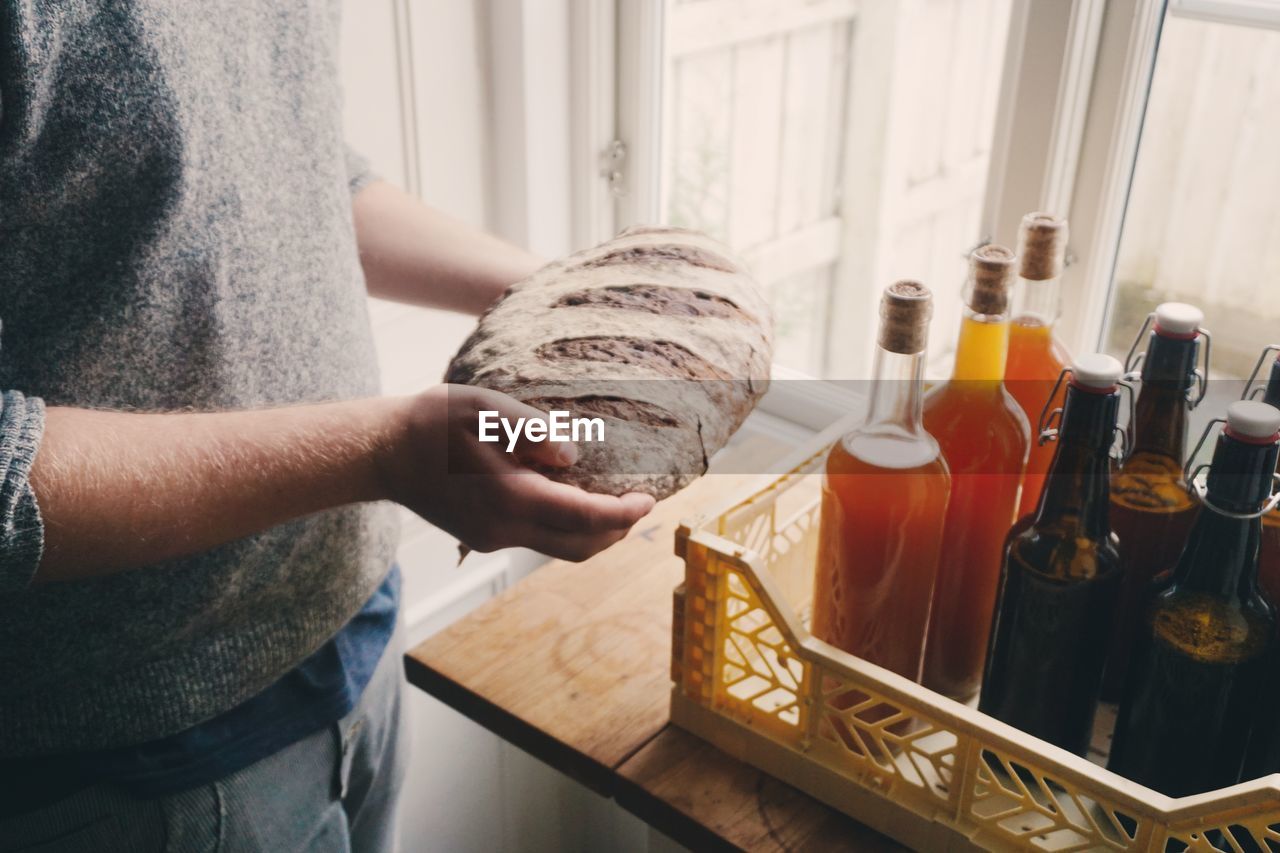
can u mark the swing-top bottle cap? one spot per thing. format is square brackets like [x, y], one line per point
[1251, 420]
[1096, 371]
[1178, 319]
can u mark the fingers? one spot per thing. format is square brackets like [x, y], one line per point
[556, 454]
[568, 508]
[558, 520]
[521, 430]
[562, 545]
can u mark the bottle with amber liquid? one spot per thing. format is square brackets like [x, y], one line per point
[984, 438]
[1036, 356]
[884, 500]
[1061, 576]
[1201, 655]
[1151, 510]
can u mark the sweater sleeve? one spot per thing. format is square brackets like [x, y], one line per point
[21, 528]
[359, 172]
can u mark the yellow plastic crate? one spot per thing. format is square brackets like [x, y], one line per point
[921, 768]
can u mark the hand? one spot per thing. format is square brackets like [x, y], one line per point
[490, 498]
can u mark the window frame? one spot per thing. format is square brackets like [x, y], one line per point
[1073, 153]
[1126, 58]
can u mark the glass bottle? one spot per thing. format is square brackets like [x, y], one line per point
[1036, 356]
[1151, 510]
[1061, 577]
[1269, 560]
[1201, 653]
[1263, 754]
[984, 438]
[884, 500]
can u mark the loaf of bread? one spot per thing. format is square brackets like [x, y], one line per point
[658, 332]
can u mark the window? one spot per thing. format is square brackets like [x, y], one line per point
[1202, 223]
[839, 146]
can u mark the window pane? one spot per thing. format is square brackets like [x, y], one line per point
[1203, 221]
[762, 109]
[800, 313]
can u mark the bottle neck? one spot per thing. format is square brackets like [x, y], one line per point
[1078, 486]
[982, 349]
[1221, 556]
[896, 394]
[1160, 416]
[1036, 302]
[1272, 395]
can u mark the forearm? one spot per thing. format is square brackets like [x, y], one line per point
[416, 254]
[120, 490]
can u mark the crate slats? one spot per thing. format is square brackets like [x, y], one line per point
[914, 765]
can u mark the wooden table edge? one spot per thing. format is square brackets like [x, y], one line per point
[666, 818]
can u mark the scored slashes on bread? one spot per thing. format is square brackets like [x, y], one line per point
[659, 332]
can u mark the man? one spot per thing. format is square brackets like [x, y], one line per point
[197, 616]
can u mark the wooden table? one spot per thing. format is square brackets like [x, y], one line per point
[572, 665]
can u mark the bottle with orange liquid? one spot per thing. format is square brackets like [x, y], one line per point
[1060, 578]
[1269, 558]
[984, 438]
[884, 499]
[1036, 356]
[1151, 509]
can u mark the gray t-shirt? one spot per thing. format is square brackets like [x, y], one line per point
[175, 233]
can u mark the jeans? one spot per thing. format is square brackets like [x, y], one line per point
[332, 792]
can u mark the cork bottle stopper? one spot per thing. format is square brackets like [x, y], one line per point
[1043, 237]
[905, 310]
[991, 274]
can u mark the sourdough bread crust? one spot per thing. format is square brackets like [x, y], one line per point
[660, 332]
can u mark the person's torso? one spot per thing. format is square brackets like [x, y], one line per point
[175, 233]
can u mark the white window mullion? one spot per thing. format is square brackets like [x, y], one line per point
[1117, 104]
[640, 119]
[1044, 100]
[529, 156]
[593, 120]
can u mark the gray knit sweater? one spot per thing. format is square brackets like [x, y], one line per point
[175, 233]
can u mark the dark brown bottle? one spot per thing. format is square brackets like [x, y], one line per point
[1200, 655]
[1060, 577]
[1263, 755]
[1269, 560]
[1151, 511]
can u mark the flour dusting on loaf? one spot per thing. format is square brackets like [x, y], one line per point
[660, 332]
